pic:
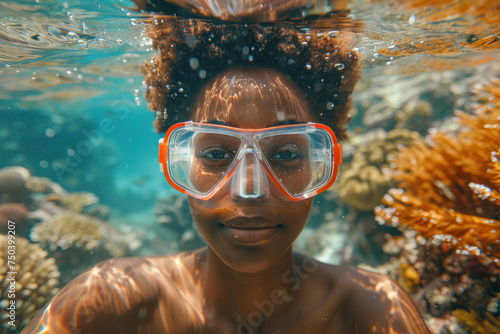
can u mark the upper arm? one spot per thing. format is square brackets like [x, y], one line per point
[111, 297]
[381, 306]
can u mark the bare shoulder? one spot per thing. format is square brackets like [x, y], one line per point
[116, 295]
[369, 302]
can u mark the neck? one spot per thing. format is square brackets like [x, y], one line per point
[235, 293]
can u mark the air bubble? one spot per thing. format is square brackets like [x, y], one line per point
[193, 62]
[246, 50]
[101, 41]
[333, 33]
[72, 36]
[83, 44]
[202, 74]
[136, 92]
[339, 66]
[50, 132]
[412, 19]
[181, 90]
[250, 58]
[320, 35]
[330, 105]
[119, 41]
[308, 66]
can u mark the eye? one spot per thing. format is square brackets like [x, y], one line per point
[288, 153]
[216, 154]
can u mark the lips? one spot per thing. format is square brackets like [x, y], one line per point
[250, 230]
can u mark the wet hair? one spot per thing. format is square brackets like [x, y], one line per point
[192, 52]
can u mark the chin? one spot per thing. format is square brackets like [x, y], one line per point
[250, 260]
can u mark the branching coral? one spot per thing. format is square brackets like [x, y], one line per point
[44, 185]
[69, 229]
[36, 281]
[446, 184]
[74, 201]
[363, 182]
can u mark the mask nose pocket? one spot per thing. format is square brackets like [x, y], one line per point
[250, 179]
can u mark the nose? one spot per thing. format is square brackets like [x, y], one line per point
[249, 180]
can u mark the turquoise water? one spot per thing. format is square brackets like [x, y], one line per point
[72, 106]
[77, 62]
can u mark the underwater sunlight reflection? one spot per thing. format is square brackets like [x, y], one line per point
[410, 89]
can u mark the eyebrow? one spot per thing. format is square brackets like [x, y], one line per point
[279, 123]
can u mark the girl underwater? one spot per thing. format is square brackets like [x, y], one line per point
[253, 114]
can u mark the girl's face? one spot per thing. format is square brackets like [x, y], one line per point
[250, 234]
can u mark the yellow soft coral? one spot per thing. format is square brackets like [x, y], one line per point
[476, 324]
[449, 187]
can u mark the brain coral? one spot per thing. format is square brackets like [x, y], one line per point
[363, 183]
[36, 281]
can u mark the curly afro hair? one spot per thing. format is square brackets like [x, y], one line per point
[191, 52]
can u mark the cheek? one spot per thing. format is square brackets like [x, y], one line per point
[296, 217]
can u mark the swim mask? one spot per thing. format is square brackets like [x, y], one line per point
[199, 159]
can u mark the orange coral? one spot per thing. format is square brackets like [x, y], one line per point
[450, 186]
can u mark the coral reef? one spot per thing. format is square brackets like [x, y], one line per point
[477, 325]
[44, 185]
[13, 184]
[416, 112]
[326, 241]
[75, 240]
[444, 284]
[122, 241]
[74, 201]
[59, 137]
[363, 183]
[173, 213]
[447, 207]
[69, 229]
[447, 184]
[37, 281]
[415, 104]
[15, 212]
